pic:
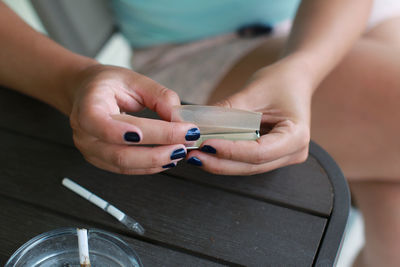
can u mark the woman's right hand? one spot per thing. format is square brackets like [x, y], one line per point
[110, 139]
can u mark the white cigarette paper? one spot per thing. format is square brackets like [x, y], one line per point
[101, 203]
[83, 247]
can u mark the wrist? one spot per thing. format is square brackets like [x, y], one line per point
[306, 69]
[71, 79]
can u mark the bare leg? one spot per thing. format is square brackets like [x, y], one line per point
[379, 204]
[355, 109]
[356, 116]
[236, 78]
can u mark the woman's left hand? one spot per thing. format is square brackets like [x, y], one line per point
[282, 93]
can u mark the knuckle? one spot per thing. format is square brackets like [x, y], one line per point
[259, 156]
[304, 155]
[118, 160]
[301, 156]
[73, 118]
[229, 154]
[106, 134]
[304, 136]
[305, 140]
[80, 141]
[73, 122]
[79, 122]
[77, 141]
[225, 103]
[170, 134]
[168, 95]
[155, 160]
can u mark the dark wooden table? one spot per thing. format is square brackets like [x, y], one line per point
[294, 216]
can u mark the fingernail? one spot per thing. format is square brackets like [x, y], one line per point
[208, 149]
[131, 137]
[178, 153]
[193, 134]
[194, 161]
[171, 165]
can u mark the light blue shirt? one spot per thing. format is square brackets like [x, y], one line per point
[152, 22]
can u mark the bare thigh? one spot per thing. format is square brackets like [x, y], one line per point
[355, 110]
[356, 118]
[379, 204]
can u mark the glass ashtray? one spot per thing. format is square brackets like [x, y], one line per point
[59, 248]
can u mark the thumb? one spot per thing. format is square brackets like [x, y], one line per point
[238, 101]
[158, 98]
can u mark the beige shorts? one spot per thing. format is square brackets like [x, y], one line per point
[194, 69]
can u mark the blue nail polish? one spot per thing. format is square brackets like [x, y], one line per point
[193, 134]
[208, 149]
[194, 161]
[131, 137]
[171, 165]
[178, 154]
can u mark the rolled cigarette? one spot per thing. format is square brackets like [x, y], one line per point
[83, 247]
[129, 222]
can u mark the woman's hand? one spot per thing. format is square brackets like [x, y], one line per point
[109, 138]
[282, 93]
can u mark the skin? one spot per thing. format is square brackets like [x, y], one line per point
[340, 82]
[358, 98]
[322, 34]
[95, 98]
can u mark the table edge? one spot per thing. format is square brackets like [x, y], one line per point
[332, 238]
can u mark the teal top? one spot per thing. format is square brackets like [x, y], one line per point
[151, 22]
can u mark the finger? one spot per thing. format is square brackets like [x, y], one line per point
[130, 157]
[229, 167]
[283, 140]
[240, 100]
[94, 117]
[122, 128]
[111, 168]
[161, 132]
[157, 97]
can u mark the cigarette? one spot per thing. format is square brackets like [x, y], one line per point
[83, 247]
[101, 203]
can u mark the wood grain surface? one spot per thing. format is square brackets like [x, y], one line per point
[192, 218]
[24, 216]
[294, 186]
[177, 213]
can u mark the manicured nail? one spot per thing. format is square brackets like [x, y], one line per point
[193, 134]
[194, 161]
[178, 153]
[131, 137]
[171, 165]
[208, 149]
